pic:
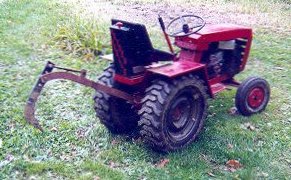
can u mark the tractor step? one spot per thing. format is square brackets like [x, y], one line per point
[216, 88]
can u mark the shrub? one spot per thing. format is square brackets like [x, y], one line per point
[85, 38]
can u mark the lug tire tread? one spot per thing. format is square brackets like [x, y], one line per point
[111, 117]
[156, 96]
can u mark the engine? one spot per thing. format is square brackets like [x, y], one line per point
[223, 57]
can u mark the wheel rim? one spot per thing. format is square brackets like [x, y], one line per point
[183, 114]
[256, 97]
[179, 112]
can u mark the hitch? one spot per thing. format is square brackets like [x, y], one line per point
[67, 74]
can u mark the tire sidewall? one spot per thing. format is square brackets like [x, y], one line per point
[244, 92]
[175, 92]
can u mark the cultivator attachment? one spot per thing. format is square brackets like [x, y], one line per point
[67, 74]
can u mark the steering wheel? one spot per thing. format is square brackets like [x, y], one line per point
[190, 25]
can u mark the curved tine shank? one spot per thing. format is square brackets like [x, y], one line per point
[29, 110]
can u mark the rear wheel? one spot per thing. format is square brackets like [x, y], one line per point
[252, 96]
[115, 113]
[173, 113]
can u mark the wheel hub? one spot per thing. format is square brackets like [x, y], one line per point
[182, 114]
[180, 111]
[256, 97]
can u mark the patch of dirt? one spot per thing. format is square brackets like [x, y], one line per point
[146, 13]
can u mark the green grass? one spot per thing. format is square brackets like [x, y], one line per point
[81, 148]
[85, 38]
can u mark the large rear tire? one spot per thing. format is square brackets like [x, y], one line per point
[173, 113]
[116, 114]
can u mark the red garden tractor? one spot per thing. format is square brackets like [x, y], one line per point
[164, 94]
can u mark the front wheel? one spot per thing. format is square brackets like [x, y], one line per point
[173, 113]
[252, 96]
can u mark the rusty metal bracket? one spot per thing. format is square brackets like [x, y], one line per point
[48, 75]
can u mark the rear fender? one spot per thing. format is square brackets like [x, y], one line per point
[181, 68]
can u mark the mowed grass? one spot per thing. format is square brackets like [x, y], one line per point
[76, 146]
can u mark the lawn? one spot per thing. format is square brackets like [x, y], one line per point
[76, 146]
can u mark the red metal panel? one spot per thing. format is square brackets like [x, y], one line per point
[176, 68]
[189, 43]
[224, 32]
[128, 81]
[199, 41]
[216, 88]
[218, 79]
[187, 55]
[213, 33]
[218, 32]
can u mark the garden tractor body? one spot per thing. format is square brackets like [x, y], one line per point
[165, 93]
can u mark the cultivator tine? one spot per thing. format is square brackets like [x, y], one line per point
[29, 111]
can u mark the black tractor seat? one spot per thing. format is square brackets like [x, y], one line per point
[132, 48]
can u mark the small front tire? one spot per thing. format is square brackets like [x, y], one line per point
[252, 96]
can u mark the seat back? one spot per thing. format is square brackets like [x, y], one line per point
[131, 47]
